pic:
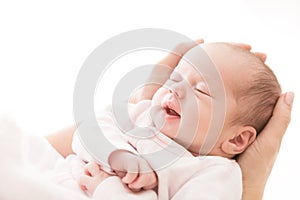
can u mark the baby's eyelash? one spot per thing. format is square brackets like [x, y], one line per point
[201, 91]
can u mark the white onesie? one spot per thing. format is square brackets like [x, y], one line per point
[186, 177]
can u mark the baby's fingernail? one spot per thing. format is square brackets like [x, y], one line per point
[289, 98]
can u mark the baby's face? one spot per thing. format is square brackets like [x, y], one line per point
[187, 104]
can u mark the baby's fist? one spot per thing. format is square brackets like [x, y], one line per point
[133, 170]
[92, 178]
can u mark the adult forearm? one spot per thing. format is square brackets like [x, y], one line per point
[254, 183]
[159, 75]
[254, 193]
[162, 71]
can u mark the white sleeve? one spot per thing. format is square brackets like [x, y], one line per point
[215, 183]
[79, 150]
[111, 132]
[112, 188]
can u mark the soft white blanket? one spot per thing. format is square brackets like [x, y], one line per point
[19, 178]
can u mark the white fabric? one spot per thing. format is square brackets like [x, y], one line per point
[26, 164]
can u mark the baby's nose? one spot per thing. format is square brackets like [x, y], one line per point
[178, 90]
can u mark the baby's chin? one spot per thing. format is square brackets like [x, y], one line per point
[167, 133]
[172, 134]
[157, 117]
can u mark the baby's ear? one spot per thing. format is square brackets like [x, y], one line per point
[240, 141]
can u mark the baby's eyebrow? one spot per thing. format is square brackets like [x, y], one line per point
[201, 77]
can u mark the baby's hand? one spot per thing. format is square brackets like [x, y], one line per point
[133, 170]
[92, 178]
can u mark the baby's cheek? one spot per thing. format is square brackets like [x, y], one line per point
[158, 96]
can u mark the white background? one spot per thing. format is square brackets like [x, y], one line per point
[43, 45]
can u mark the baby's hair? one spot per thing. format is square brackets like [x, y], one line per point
[257, 96]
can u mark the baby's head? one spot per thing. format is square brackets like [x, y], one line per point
[251, 92]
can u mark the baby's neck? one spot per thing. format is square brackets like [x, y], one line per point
[213, 153]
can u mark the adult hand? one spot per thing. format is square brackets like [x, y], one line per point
[260, 55]
[258, 160]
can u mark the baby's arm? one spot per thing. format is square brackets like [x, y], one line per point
[133, 170]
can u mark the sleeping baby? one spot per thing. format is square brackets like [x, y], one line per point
[176, 156]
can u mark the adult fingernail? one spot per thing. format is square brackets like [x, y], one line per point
[264, 56]
[199, 41]
[289, 98]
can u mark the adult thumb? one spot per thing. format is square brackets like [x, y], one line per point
[281, 117]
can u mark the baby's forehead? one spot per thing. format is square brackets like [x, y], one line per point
[187, 67]
[230, 57]
[216, 56]
[234, 64]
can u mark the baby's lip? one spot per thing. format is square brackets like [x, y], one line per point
[171, 109]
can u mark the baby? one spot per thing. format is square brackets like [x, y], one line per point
[182, 112]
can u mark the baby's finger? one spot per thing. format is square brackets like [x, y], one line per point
[92, 169]
[145, 181]
[130, 177]
[120, 174]
[150, 185]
